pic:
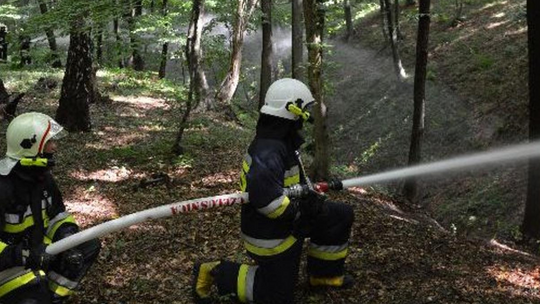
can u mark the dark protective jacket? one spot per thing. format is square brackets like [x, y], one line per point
[270, 165]
[23, 192]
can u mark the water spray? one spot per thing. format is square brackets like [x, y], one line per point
[497, 157]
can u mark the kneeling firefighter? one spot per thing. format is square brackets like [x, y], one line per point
[274, 225]
[32, 215]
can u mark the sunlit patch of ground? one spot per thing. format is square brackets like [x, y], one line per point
[90, 206]
[112, 174]
[144, 103]
[220, 178]
[520, 276]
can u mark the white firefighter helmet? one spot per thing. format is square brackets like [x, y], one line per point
[285, 91]
[26, 137]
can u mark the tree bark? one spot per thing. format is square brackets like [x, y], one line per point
[230, 83]
[56, 63]
[531, 219]
[397, 13]
[78, 86]
[116, 30]
[99, 45]
[383, 20]
[165, 47]
[267, 47]
[398, 67]
[411, 189]
[348, 19]
[297, 41]
[136, 61]
[314, 15]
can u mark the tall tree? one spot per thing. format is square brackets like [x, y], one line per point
[383, 19]
[531, 220]
[392, 31]
[165, 46]
[135, 11]
[410, 189]
[78, 86]
[297, 41]
[227, 88]
[314, 15]
[56, 63]
[348, 19]
[193, 45]
[267, 47]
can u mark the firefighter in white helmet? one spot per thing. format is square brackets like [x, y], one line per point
[274, 225]
[33, 215]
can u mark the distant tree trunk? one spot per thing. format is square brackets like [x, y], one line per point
[116, 30]
[136, 60]
[396, 21]
[78, 86]
[398, 67]
[201, 100]
[4, 95]
[230, 83]
[297, 41]
[152, 6]
[410, 2]
[415, 152]
[165, 47]
[25, 50]
[314, 15]
[267, 46]
[531, 219]
[99, 45]
[348, 19]
[193, 45]
[383, 20]
[56, 63]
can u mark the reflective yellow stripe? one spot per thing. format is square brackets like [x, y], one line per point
[279, 211]
[243, 183]
[27, 223]
[18, 282]
[326, 281]
[2, 246]
[293, 180]
[52, 231]
[245, 166]
[328, 256]
[271, 251]
[60, 290]
[241, 282]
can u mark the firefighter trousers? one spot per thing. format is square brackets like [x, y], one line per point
[272, 280]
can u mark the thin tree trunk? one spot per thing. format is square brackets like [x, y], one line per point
[99, 46]
[398, 67]
[297, 41]
[267, 46]
[399, 36]
[410, 189]
[230, 83]
[531, 219]
[314, 17]
[165, 47]
[383, 20]
[136, 60]
[78, 86]
[348, 19]
[116, 28]
[56, 63]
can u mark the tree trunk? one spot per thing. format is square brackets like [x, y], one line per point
[410, 2]
[201, 100]
[165, 47]
[314, 15]
[411, 190]
[267, 46]
[4, 95]
[116, 28]
[99, 45]
[348, 19]
[230, 83]
[56, 63]
[531, 219]
[297, 41]
[399, 36]
[398, 67]
[25, 50]
[383, 20]
[78, 86]
[136, 61]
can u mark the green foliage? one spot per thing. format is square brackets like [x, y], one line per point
[484, 61]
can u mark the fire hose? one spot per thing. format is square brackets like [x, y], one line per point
[496, 157]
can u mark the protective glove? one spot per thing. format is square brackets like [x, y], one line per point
[72, 259]
[37, 258]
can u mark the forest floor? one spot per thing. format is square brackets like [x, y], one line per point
[398, 254]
